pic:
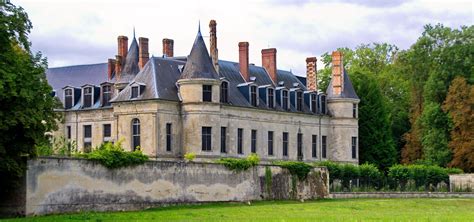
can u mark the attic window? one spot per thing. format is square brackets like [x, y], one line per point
[68, 98]
[87, 97]
[135, 92]
[271, 98]
[313, 103]
[284, 98]
[323, 104]
[224, 92]
[106, 95]
[299, 101]
[253, 95]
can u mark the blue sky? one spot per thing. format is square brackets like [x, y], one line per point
[85, 31]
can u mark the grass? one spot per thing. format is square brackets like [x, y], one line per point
[319, 210]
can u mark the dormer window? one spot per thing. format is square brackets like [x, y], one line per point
[87, 100]
[313, 103]
[299, 100]
[284, 103]
[253, 95]
[323, 104]
[68, 99]
[224, 92]
[207, 93]
[135, 92]
[271, 98]
[106, 95]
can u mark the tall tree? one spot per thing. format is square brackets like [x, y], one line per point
[27, 105]
[459, 105]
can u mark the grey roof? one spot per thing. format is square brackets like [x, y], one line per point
[130, 68]
[347, 92]
[76, 76]
[198, 64]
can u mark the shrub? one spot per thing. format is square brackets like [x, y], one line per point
[113, 156]
[190, 156]
[300, 169]
[400, 174]
[450, 171]
[59, 146]
[370, 175]
[240, 164]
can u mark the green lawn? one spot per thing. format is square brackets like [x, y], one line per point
[320, 210]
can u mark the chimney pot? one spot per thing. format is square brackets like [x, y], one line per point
[110, 68]
[244, 60]
[122, 46]
[168, 45]
[143, 52]
[269, 63]
[311, 74]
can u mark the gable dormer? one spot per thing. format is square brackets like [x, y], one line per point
[296, 98]
[282, 97]
[267, 94]
[311, 100]
[90, 94]
[106, 93]
[136, 89]
[71, 96]
[250, 91]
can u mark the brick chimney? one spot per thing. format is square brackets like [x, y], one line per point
[311, 74]
[213, 44]
[122, 46]
[168, 45]
[143, 52]
[118, 66]
[337, 73]
[244, 60]
[110, 68]
[269, 63]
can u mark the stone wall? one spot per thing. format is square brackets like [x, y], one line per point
[59, 185]
[343, 195]
[461, 182]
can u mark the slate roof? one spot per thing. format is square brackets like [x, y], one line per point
[348, 90]
[198, 64]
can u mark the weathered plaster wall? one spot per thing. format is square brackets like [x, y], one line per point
[57, 185]
[461, 182]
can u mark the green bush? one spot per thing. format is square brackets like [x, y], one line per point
[113, 156]
[370, 175]
[400, 174]
[57, 146]
[300, 169]
[240, 164]
[190, 156]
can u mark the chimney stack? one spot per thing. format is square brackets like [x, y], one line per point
[244, 60]
[118, 66]
[110, 68]
[337, 73]
[311, 74]
[168, 45]
[122, 46]
[269, 63]
[213, 44]
[143, 52]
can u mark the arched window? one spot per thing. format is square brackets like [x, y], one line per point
[135, 133]
[224, 92]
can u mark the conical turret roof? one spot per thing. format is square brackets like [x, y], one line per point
[199, 64]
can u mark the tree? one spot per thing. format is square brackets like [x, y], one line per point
[375, 137]
[459, 105]
[27, 105]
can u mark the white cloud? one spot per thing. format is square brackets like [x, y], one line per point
[82, 32]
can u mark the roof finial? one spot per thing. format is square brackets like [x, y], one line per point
[133, 31]
[199, 27]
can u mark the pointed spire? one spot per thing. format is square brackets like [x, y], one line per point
[133, 31]
[199, 28]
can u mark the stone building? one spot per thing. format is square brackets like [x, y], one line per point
[172, 105]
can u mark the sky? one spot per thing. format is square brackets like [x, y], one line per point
[85, 31]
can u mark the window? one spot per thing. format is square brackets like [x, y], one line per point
[240, 134]
[206, 138]
[224, 92]
[285, 99]
[314, 151]
[106, 95]
[299, 101]
[300, 146]
[68, 132]
[354, 110]
[323, 146]
[134, 92]
[253, 144]
[87, 97]
[68, 98]
[223, 140]
[87, 138]
[270, 143]
[354, 147]
[135, 134]
[271, 98]
[107, 132]
[313, 103]
[168, 137]
[253, 95]
[207, 93]
[323, 104]
[285, 144]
